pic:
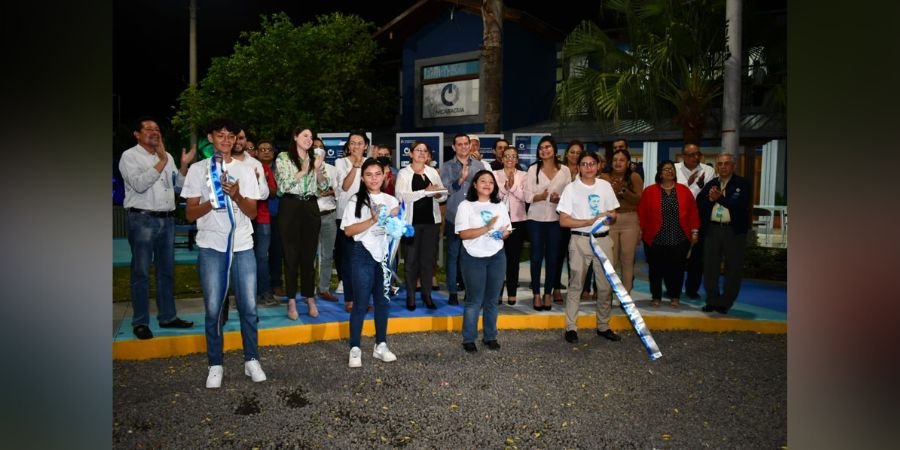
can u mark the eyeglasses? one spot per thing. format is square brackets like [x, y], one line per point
[266, 149]
[587, 164]
[668, 169]
[251, 149]
[510, 156]
[421, 150]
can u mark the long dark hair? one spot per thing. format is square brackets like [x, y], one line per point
[472, 193]
[362, 195]
[294, 152]
[628, 171]
[540, 162]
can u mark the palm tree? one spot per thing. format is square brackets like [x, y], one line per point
[669, 65]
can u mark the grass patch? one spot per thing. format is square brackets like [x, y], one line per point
[187, 283]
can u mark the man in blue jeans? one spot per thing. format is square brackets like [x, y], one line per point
[221, 194]
[150, 182]
[456, 175]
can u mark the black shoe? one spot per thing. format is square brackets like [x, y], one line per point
[493, 345]
[411, 303]
[177, 323]
[454, 300]
[709, 308]
[571, 336]
[722, 310]
[609, 334]
[143, 332]
[470, 347]
[429, 303]
[693, 296]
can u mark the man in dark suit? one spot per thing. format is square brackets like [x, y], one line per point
[724, 205]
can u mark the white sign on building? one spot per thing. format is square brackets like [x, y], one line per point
[452, 99]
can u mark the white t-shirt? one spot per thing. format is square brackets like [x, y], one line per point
[581, 201]
[374, 239]
[213, 227]
[343, 167]
[257, 168]
[475, 215]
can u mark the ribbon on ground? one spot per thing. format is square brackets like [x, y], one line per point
[395, 229]
[219, 200]
[627, 303]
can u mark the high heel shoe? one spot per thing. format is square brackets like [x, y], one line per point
[429, 303]
[557, 297]
[410, 302]
[292, 309]
[313, 310]
[536, 303]
[548, 302]
[510, 301]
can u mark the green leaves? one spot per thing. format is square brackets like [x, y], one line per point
[669, 66]
[319, 74]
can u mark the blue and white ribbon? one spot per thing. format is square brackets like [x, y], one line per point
[219, 200]
[395, 229]
[627, 303]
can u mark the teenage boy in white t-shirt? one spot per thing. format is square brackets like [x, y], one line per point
[221, 194]
[582, 202]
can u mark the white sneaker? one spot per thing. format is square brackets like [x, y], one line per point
[355, 357]
[214, 379]
[340, 288]
[383, 353]
[253, 370]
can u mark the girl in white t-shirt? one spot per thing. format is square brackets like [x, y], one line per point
[363, 221]
[482, 223]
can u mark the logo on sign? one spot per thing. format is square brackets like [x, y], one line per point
[330, 152]
[450, 94]
[405, 150]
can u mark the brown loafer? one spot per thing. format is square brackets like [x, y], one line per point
[655, 302]
[676, 303]
[328, 296]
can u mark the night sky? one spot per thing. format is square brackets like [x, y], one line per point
[151, 38]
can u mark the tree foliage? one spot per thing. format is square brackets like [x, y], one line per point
[670, 64]
[319, 74]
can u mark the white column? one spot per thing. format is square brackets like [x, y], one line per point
[651, 156]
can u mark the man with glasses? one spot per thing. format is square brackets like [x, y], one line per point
[724, 205]
[150, 184]
[692, 173]
[262, 227]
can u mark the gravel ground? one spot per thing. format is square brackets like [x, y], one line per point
[709, 390]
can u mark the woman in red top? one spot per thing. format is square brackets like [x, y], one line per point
[669, 227]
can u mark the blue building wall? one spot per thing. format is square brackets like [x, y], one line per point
[529, 69]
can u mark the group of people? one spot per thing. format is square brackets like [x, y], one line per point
[254, 209]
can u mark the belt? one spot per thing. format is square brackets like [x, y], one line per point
[325, 213]
[582, 233]
[299, 197]
[721, 224]
[152, 213]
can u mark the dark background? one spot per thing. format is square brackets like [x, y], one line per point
[151, 39]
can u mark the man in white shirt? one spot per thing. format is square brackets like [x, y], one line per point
[581, 204]
[150, 183]
[694, 174]
[221, 194]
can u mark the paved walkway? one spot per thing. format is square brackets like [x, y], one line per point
[761, 307]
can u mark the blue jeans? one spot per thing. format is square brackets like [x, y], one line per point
[212, 266]
[262, 239]
[453, 246]
[545, 238]
[367, 282]
[483, 278]
[152, 239]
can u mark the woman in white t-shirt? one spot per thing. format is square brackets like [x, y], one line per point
[363, 221]
[482, 223]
